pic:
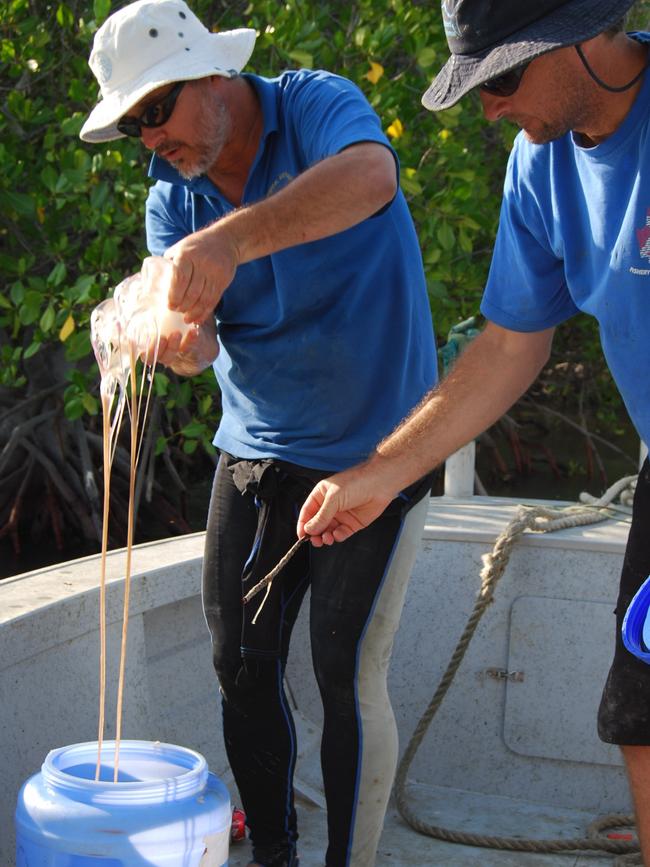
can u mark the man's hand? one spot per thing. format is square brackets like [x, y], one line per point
[343, 504]
[496, 368]
[189, 353]
[205, 264]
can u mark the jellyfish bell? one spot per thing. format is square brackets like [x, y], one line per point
[142, 333]
[103, 320]
[105, 334]
[128, 297]
[156, 279]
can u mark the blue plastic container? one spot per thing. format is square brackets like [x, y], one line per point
[636, 623]
[166, 810]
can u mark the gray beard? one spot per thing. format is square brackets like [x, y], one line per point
[213, 128]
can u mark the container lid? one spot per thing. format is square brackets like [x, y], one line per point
[149, 772]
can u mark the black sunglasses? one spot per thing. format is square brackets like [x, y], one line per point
[155, 114]
[507, 83]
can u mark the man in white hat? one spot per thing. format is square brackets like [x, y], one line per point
[277, 201]
[574, 235]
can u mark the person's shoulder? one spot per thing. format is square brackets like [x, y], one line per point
[296, 80]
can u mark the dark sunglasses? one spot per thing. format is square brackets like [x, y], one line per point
[155, 114]
[506, 84]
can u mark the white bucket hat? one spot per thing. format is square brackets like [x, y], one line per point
[151, 43]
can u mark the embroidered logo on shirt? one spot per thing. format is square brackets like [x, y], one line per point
[281, 181]
[643, 240]
[643, 237]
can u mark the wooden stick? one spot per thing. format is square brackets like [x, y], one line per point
[268, 578]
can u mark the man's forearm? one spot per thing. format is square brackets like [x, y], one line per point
[331, 196]
[493, 372]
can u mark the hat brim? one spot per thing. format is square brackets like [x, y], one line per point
[570, 24]
[218, 54]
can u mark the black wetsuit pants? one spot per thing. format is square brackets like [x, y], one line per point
[357, 591]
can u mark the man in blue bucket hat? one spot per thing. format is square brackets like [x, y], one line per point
[574, 235]
[278, 202]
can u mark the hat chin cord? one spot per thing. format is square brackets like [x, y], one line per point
[601, 83]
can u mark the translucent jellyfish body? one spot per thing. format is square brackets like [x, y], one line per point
[142, 304]
[108, 341]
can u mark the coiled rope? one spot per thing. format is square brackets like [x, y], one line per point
[538, 520]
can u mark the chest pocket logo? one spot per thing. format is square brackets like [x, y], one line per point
[281, 181]
[643, 237]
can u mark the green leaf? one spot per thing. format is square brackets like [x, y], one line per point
[101, 8]
[160, 384]
[205, 404]
[410, 186]
[437, 289]
[302, 58]
[446, 237]
[49, 177]
[21, 203]
[17, 292]
[71, 126]
[64, 16]
[57, 274]
[78, 345]
[427, 57]
[190, 446]
[193, 429]
[47, 319]
[161, 446]
[31, 307]
[74, 408]
[90, 404]
[82, 289]
[32, 349]
[465, 242]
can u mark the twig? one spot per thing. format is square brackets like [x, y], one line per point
[88, 477]
[24, 402]
[173, 472]
[11, 527]
[271, 575]
[18, 433]
[55, 514]
[63, 488]
[578, 427]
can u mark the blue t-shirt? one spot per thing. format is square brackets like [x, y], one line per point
[327, 345]
[574, 235]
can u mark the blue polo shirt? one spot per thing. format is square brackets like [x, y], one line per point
[574, 235]
[326, 346]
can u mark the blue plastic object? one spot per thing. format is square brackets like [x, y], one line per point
[166, 810]
[636, 623]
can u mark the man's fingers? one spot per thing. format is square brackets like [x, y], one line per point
[181, 284]
[188, 339]
[202, 307]
[311, 507]
[318, 512]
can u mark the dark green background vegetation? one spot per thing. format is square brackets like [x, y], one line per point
[71, 227]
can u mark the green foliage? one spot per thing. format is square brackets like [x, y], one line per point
[71, 214]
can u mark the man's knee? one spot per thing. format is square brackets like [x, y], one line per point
[248, 684]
